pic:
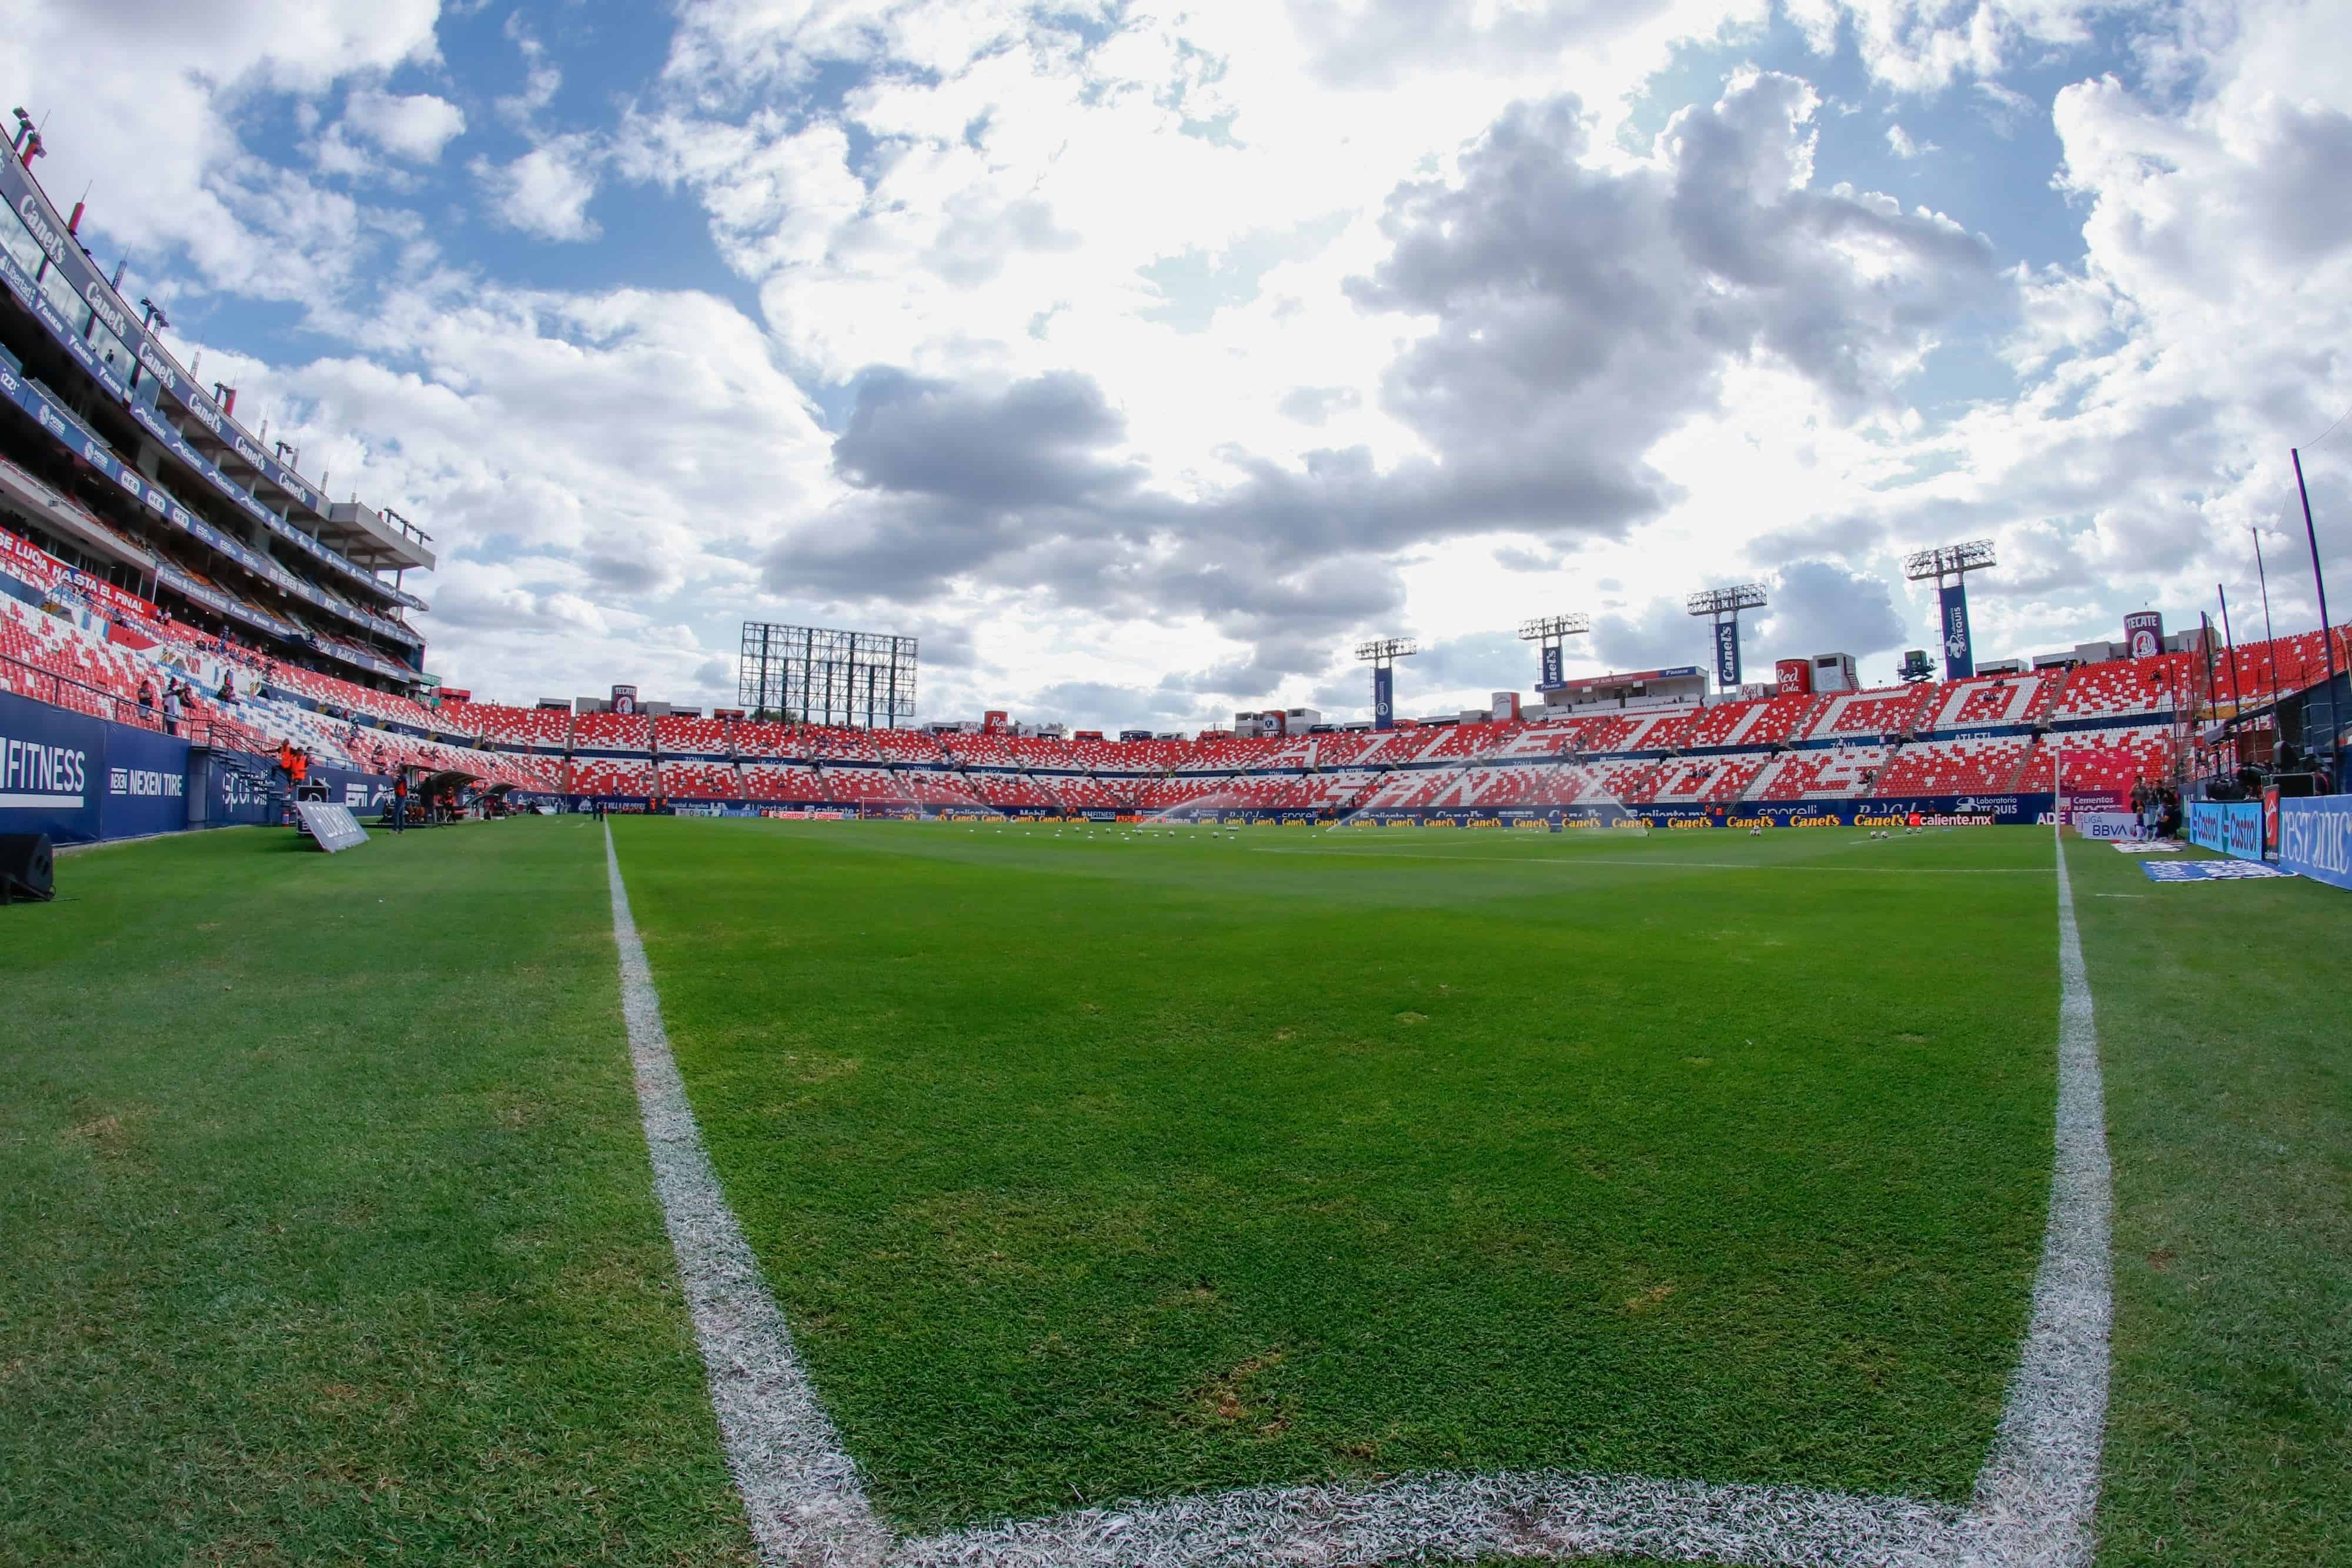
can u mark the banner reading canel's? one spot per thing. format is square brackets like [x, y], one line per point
[1550, 679]
[1727, 654]
[1960, 650]
[1384, 697]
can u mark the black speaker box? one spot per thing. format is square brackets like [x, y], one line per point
[27, 868]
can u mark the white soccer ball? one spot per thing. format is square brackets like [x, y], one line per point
[1755, 832]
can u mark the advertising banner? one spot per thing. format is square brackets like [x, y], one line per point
[2232, 827]
[2109, 827]
[331, 827]
[1548, 677]
[1959, 653]
[2208, 870]
[1727, 652]
[2315, 838]
[1384, 697]
[2143, 634]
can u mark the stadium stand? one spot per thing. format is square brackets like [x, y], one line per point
[604, 775]
[1984, 701]
[2123, 688]
[2114, 759]
[612, 732]
[1885, 712]
[697, 737]
[1821, 773]
[1955, 767]
[1763, 721]
[701, 781]
[547, 729]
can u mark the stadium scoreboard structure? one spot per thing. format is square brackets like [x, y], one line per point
[817, 674]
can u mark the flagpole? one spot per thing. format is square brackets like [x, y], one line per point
[2326, 632]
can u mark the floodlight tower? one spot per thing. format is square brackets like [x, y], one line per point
[1723, 605]
[1948, 566]
[1548, 630]
[1381, 654]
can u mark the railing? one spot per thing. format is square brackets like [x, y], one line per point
[94, 702]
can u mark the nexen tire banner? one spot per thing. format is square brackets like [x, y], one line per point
[2315, 839]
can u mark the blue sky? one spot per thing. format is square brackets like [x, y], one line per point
[1142, 358]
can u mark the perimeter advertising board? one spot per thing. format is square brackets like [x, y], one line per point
[2315, 839]
[79, 778]
[2232, 827]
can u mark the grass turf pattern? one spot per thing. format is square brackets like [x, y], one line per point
[1082, 1164]
[1103, 1167]
[326, 1217]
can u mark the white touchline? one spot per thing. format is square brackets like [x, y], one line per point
[2032, 1506]
[800, 1486]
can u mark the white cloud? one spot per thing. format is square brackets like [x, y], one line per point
[411, 126]
[144, 110]
[546, 191]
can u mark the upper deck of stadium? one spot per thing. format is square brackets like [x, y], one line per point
[148, 497]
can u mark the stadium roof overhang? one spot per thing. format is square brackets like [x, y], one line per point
[367, 538]
[54, 511]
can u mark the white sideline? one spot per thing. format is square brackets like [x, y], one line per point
[2032, 1506]
[799, 1485]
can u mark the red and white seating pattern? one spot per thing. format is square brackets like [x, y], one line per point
[701, 781]
[675, 733]
[2123, 688]
[612, 732]
[1822, 773]
[2101, 759]
[1887, 711]
[1954, 767]
[1766, 721]
[1985, 701]
[549, 728]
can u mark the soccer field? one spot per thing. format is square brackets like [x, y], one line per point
[1088, 1167]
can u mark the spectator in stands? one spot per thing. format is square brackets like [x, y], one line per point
[228, 688]
[146, 697]
[172, 707]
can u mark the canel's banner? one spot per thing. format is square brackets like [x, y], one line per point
[2232, 827]
[1959, 653]
[1384, 697]
[2315, 838]
[1727, 654]
[1548, 677]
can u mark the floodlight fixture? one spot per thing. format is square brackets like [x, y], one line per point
[1948, 561]
[1721, 601]
[1550, 628]
[1385, 651]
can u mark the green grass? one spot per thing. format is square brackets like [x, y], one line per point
[2221, 1023]
[1087, 1169]
[328, 1229]
[1091, 1170]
